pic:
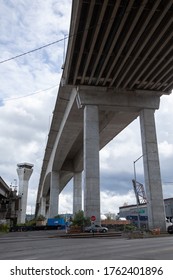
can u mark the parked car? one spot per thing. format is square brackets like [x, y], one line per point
[168, 223]
[96, 228]
[170, 229]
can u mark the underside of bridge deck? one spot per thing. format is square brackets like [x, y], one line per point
[121, 44]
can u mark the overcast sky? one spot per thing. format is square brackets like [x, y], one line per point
[28, 90]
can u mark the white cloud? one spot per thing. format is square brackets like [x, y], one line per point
[119, 154]
[25, 121]
[65, 203]
[110, 202]
[166, 149]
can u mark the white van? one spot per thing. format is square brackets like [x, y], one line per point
[168, 223]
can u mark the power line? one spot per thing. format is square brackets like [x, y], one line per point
[55, 42]
[34, 50]
[34, 93]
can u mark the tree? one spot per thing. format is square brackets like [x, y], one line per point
[40, 218]
[80, 220]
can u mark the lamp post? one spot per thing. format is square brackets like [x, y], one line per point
[134, 182]
[135, 166]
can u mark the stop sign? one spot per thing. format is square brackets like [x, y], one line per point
[93, 218]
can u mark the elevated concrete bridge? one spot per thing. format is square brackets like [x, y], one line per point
[118, 65]
[4, 189]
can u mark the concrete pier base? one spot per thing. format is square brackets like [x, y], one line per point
[156, 211]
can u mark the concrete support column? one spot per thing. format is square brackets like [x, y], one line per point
[54, 194]
[77, 192]
[91, 163]
[156, 210]
[43, 206]
[47, 209]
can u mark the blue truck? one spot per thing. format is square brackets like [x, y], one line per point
[59, 223]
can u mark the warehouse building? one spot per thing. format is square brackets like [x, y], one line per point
[139, 213]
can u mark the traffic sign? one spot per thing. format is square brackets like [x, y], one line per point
[93, 218]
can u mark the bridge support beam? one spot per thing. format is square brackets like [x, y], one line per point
[156, 211]
[77, 192]
[91, 163]
[54, 195]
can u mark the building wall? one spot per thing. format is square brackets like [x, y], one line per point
[130, 212]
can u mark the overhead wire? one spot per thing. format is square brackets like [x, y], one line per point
[55, 42]
[37, 49]
[34, 50]
[30, 94]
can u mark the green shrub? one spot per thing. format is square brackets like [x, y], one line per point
[4, 228]
[31, 223]
[80, 220]
[130, 227]
[40, 218]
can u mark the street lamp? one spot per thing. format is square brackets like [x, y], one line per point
[134, 184]
[135, 166]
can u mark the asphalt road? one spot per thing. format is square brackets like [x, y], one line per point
[48, 245]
